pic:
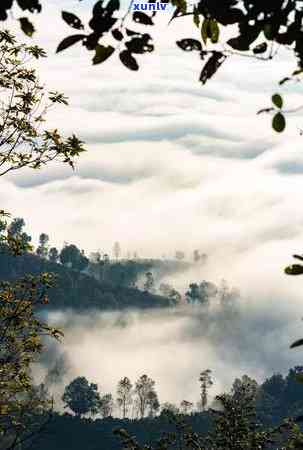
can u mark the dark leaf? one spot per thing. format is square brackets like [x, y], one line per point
[277, 100]
[128, 60]
[131, 32]
[139, 45]
[177, 13]
[140, 17]
[211, 67]
[230, 17]
[69, 41]
[239, 43]
[72, 20]
[26, 26]
[298, 257]
[102, 53]
[28, 5]
[196, 17]
[98, 8]
[117, 34]
[102, 24]
[295, 269]
[261, 48]
[91, 41]
[189, 45]
[112, 6]
[286, 38]
[279, 125]
[284, 80]
[297, 343]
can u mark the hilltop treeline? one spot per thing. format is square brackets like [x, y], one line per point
[259, 406]
[99, 281]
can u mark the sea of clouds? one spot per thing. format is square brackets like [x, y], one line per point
[173, 165]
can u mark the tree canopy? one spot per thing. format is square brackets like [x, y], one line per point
[82, 397]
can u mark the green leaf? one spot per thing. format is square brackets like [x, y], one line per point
[102, 53]
[277, 100]
[279, 125]
[295, 269]
[180, 4]
[204, 30]
[69, 41]
[214, 31]
[26, 26]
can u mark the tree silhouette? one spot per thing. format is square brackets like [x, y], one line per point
[144, 389]
[124, 395]
[106, 405]
[71, 256]
[81, 397]
[206, 382]
[42, 249]
[53, 255]
[186, 407]
[153, 404]
[15, 230]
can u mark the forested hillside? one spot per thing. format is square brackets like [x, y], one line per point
[78, 290]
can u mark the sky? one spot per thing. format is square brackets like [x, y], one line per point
[173, 165]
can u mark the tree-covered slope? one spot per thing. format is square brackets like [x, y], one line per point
[75, 289]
